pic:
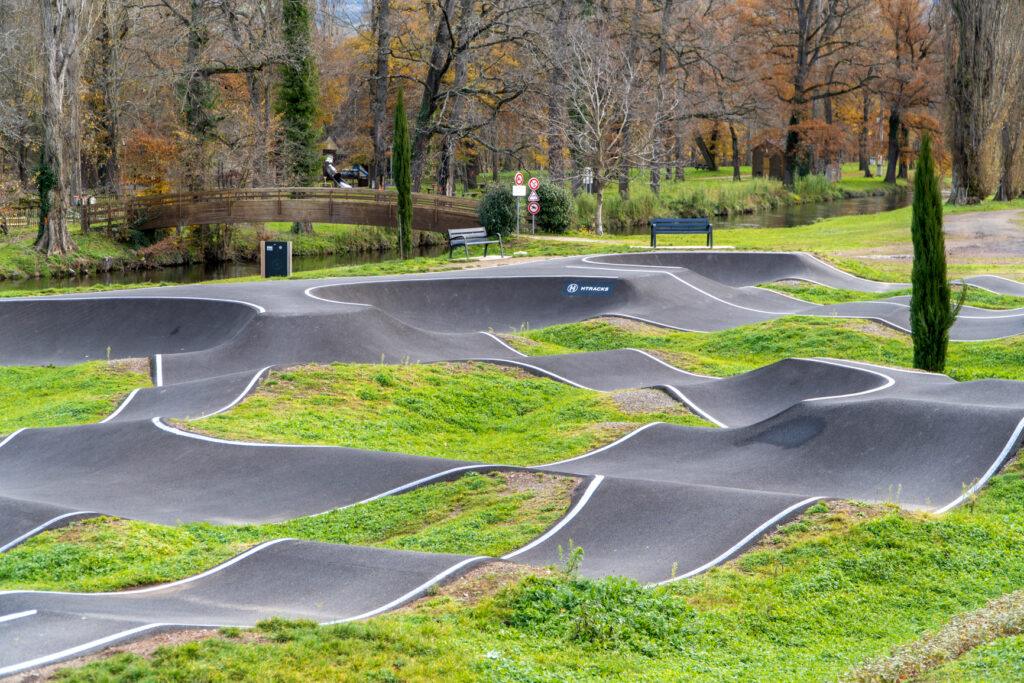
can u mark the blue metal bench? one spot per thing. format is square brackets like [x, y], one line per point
[681, 226]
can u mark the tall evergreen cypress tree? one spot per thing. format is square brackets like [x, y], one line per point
[401, 169]
[931, 312]
[298, 95]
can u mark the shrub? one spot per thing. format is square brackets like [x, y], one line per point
[612, 612]
[586, 207]
[557, 210]
[634, 214]
[498, 210]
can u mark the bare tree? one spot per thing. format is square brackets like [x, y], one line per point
[603, 88]
[815, 45]
[981, 40]
[381, 28]
[64, 26]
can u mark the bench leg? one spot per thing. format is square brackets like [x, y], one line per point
[485, 250]
[654, 240]
[711, 239]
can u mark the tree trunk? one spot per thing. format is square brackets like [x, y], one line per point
[894, 145]
[440, 59]
[735, 153]
[61, 41]
[903, 173]
[556, 95]
[626, 157]
[679, 151]
[790, 152]
[599, 210]
[1009, 182]
[446, 167]
[709, 158]
[197, 91]
[659, 133]
[862, 137]
[381, 15]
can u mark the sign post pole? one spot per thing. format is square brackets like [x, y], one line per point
[534, 204]
[518, 191]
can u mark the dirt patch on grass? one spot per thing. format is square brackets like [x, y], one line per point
[634, 326]
[647, 401]
[144, 647]
[125, 365]
[482, 582]
[536, 482]
[873, 328]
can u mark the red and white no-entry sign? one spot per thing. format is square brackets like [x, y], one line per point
[533, 208]
[520, 178]
[534, 184]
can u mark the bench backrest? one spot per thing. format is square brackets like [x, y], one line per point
[466, 234]
[669, 225]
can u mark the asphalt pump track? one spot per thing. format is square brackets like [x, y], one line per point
[662, 503]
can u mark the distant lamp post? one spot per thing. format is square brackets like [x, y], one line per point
[588, 179]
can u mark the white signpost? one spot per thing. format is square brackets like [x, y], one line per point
[518, 191]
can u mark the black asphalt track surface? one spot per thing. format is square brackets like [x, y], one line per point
[661, 503]
[340, 583]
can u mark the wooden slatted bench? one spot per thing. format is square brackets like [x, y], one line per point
[467, 237]
[681, 226]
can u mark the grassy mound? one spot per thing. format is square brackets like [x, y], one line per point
[471, 411]
[60, 396]
[477, 514]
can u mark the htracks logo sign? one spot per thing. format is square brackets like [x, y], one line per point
[588, 288]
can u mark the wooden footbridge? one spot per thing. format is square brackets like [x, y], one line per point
[288, 204]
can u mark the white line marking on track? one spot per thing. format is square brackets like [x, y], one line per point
[18, 615]
[10, 437]
[685, 400]
[503, 343]
[71, 651]
[414, 592]
[202, 437]
[245, 392]
[584, 499]
[886, 383]
[602, 448]
[257, 307]
[163, 586]
[670, 366]
[121, 407]
[993, 468]
[158, 370]
[42, 527]
[746, 539]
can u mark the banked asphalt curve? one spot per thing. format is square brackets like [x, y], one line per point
[663, 503]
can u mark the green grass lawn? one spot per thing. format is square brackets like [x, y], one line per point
[467, 411]
[741, 349]
[819, 294]
[832, 589]
[477, 514]
[68, 395]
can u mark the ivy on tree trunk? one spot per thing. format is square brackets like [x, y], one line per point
[401, 168]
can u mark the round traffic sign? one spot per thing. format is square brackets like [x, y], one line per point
[534, 184]
[533, 208]
[519, 178]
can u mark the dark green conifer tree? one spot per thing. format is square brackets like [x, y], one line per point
[931, 311]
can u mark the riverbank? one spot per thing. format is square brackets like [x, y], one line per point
[99, 254]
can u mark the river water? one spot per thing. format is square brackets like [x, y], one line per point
[784, 217]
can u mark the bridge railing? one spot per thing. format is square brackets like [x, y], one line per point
[178, 208]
